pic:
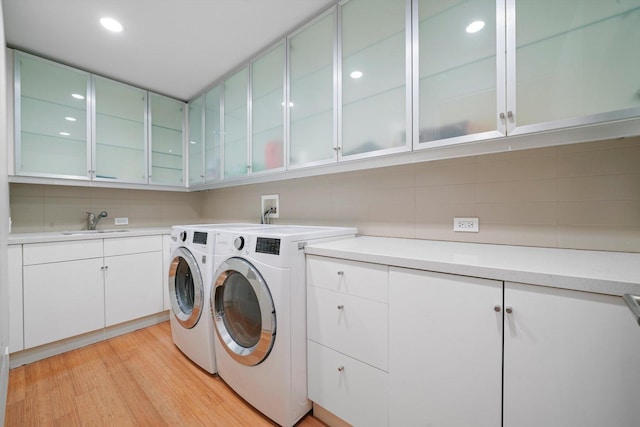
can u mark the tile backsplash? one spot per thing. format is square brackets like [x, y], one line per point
[582, 196]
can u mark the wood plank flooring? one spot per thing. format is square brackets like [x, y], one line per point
[137, 379]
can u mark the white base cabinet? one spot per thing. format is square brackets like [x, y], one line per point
[14, 266]
[571, 359]
[74, 287]
[445, 350]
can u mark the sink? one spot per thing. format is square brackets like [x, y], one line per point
[81, 232]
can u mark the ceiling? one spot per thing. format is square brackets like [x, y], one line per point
[173, 47]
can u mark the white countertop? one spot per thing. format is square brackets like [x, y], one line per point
[614, 273]
[61, 236]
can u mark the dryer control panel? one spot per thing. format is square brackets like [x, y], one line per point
[267, 245]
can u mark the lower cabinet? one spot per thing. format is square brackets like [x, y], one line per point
[569, 358]
[74, 287]
[16, 329]
[445, 350]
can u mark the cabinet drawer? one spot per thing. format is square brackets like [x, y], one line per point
[41, 253]
[352, 390]
[132, 245]
[350, 277]
[354, 326]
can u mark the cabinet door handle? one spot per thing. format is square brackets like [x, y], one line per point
[340, 307]
[340, 273]
[340, 368]
[497, 309]
[509, 309]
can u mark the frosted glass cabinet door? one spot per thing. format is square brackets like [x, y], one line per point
[267, 111]
[311, 93]
[576, 58]
[212, 134]
[120, 132]
[235, 124]
[457, 69]
[374, 76]
[167, 120]
[196, 141]
[51, 119]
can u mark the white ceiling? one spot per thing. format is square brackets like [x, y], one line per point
[173, 47]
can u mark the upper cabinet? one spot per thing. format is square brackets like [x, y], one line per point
[456, 76]
[235, 124]
[572, 63]
[73, 125]
[375, 74]
[268, 110]
[212, 134]
[52, 115]
[196, 141]
[313, 93]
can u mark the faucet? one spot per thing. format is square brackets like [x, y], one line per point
[92, 219]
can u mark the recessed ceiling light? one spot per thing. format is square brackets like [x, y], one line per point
[111, 25]
[65, 133]
[77, 96]
[356, 74]
[474, 27]
[71, 119]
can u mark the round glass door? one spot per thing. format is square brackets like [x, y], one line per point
[186, 290]
[243, 312]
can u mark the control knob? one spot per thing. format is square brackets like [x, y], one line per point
[239, 242]
[183, 236]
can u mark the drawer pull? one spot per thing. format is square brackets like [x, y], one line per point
[340, 273]
[340, 307]
[340, 368]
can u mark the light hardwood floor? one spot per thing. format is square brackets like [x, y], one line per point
[138, 379]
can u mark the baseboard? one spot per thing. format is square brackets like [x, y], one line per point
[4, 383]
[31, 355]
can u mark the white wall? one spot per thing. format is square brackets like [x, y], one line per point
[4, 231]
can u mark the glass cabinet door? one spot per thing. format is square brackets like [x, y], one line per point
[235, 90]
[51, 119]
[196, 139]
[212, 134]
[120, 132]
[374, 76]
[167, 120]
[312, 136]
[457, 69]
[576, 62]
[267, 111]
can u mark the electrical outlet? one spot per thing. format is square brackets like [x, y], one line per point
[121, 221]
[272, 202]
[467, 225]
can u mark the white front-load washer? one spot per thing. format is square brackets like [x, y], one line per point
[190, 277]
[258, 303]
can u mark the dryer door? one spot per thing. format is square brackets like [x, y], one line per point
[186, 290]
[243, 312]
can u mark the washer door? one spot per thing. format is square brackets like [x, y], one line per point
[243, 312]
[186, 290]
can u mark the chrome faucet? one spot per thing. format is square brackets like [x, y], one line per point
[92, 219]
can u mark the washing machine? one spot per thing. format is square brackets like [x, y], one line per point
[190, 277]
[258, 306]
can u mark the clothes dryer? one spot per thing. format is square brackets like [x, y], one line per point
[258, 303]
[190, 277]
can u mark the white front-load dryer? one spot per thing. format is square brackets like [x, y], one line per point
[258, 303]
[190, 277]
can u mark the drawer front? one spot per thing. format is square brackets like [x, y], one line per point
[132, 245]
[354, 326]
[352, 390]
[41, 253]
[350, 277]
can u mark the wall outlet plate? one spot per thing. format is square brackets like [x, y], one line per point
[121, 221]
[268, 202]
[466, 225]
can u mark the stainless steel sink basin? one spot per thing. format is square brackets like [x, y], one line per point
[80, 232]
